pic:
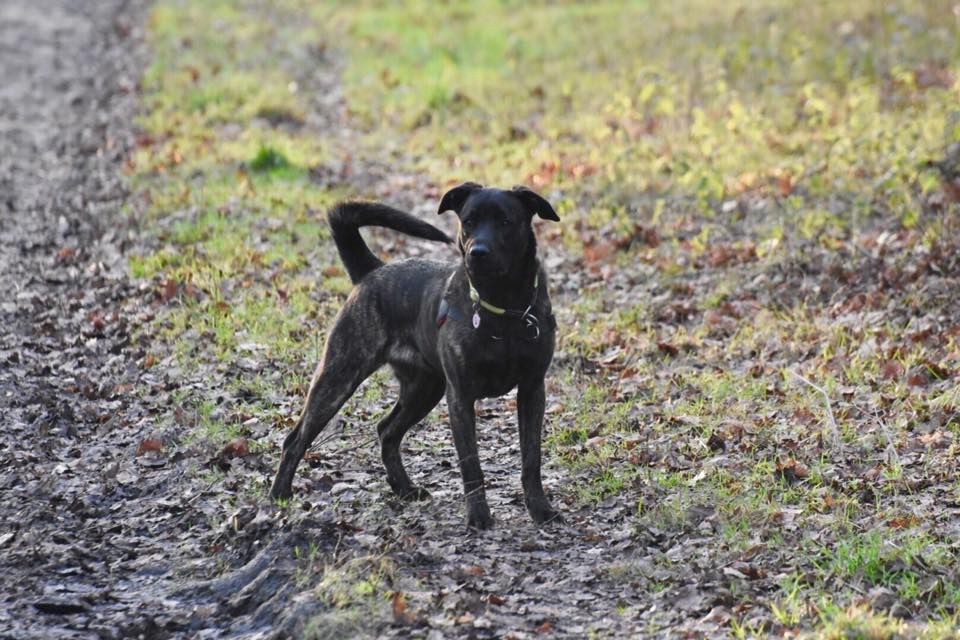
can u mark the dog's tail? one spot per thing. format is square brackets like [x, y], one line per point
[346, 219]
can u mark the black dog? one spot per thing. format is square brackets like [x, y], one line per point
[472, 330]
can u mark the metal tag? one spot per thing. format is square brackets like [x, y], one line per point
[476, 319]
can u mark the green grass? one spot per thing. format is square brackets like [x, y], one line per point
[709, 101]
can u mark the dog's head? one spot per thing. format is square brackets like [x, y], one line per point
[495, 225]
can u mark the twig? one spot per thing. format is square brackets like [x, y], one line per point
[835, 431]
[890, 453]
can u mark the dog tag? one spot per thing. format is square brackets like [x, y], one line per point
[476, 319]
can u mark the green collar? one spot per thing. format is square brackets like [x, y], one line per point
[500, 311]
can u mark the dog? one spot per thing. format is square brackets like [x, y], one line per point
[473, 329]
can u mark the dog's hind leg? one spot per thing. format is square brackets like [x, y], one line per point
[347, 361]
[420, 392]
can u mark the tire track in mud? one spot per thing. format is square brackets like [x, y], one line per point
[69, 315]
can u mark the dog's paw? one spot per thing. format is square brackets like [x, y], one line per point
[415, 493]
[545, 514]
[553, 517]
[479, 518]
[278, 493]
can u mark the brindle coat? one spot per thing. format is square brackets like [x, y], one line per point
[418, 316]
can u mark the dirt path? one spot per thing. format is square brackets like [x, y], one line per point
[69, 93]
[98, 541]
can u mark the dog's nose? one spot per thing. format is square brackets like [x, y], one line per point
[479, 250]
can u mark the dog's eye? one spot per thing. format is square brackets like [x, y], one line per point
[505, 221]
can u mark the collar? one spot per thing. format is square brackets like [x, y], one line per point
[531, 323]
[500, 311]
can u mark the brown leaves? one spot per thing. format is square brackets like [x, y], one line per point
[791, 471]
[544, 627]
[168, 290]
[401, 615]
[668, 349]
[891, 370]
[903, 522]
[731, 254]
[237, 448]
[332, 271]
[918, 376]
[550, 170]
[602, 244]
[934, 439]
[716, 443]
[149, 445]
[598, 251]
[744, 570]
[719, 322]
[785, 184]
[933, 75]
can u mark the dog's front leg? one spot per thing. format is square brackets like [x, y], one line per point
[463, 421]
[530, 407]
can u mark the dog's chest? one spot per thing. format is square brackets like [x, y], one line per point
[499, 365]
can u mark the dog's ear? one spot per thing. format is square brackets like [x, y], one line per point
[453, 200]
[535, 203]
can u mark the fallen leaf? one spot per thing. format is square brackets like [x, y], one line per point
[168, 290]
[598, 251]
[792, 471]
[716, 443]
[891, 370]
[400, 614]
[917, 379]
[933, 438]
[149, 444]
[668, 348]
[237, 448]
[331, 271]
[785, 184]
[716, 320]
[903, 522]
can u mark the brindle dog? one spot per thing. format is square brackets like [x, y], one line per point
[473, 329]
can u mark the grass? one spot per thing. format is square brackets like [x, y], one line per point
[742, 195]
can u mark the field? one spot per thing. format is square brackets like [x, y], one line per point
[753, 421]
